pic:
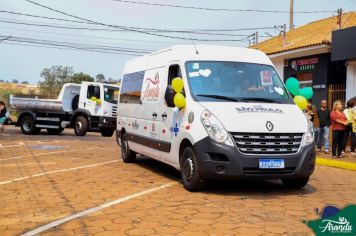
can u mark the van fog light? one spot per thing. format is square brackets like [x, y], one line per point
[220, 169]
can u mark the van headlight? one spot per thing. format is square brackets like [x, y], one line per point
[215, 129]
[308, 137]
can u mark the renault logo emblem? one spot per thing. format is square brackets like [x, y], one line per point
[269, 125]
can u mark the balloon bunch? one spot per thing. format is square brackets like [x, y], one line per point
[96, 100]
[301, 95]
[179, 99]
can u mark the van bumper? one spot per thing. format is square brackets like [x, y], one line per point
[219, 161]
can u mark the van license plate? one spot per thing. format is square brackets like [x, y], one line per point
[271, 164]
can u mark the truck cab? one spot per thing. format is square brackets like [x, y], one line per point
[214, 112]
[86, 107]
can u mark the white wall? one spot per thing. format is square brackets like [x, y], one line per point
[351, 80]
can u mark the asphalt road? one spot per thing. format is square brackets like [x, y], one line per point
[68, 185]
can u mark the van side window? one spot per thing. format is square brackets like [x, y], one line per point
[131, 88]
[93, 91]
[173, 72]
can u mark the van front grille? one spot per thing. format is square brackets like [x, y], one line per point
[268, 143]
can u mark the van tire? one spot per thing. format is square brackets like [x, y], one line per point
[190, 172]
[127, 155]
[295, 183]
[81, 126]
[106, 132]
[55, 131]
[28, 126]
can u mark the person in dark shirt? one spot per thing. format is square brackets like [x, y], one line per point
[324, 123]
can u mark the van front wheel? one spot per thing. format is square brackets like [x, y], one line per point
[189, 167]
[128, 156]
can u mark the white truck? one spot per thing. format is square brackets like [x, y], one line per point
[214, 112]
[86, 107]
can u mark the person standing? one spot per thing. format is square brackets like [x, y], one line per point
[324, 123]
[311, 113]
[338, 126]
[3, 116]
[349, 130]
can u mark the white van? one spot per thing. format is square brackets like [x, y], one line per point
[239, 121]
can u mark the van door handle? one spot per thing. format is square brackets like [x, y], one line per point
[154, 115]
[84, 104]
[164, 116]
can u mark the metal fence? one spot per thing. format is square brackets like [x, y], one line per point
[336, 92]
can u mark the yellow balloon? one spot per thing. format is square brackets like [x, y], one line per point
[98, 101]
[93, 99]
[301, 102]
[177, 84]
[179, 100]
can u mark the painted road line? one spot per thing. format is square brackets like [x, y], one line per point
[13, 145]
[57, 171]
[45, 153]
[336, 163]
[94, 209]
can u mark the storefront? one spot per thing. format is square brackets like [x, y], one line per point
[318, 54]
[318, 72]
[344, 49]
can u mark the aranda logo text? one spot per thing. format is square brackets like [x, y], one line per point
[332, 226]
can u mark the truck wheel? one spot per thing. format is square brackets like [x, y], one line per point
[106, 132]
[295, 183]
[189, 167]
[28, 126]
[55, 131]
[80, 126]
[128, 156]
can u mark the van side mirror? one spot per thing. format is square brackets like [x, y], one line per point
[169, 96]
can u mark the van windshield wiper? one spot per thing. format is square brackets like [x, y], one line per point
[218, 97]
[259, 100]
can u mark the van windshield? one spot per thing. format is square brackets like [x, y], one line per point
[235, 81]
[111, 94]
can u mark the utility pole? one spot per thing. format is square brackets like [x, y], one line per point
[291, 12]
[256, 37]
[339, 17]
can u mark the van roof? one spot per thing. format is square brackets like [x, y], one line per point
[185, 53]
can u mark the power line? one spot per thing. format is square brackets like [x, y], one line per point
[118, 30]
[79, 46]
[85, 22]
[218, 9]
[132, 29]
[83, 36]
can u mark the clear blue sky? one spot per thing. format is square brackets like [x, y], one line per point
[25, 62]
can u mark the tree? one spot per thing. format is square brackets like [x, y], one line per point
[100, 78]
[15, 81]
[53, 80]
[25, 82]
[78, 78]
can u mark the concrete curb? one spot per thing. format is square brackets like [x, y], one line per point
[336, 163]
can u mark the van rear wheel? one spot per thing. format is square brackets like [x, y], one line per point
[190, 172]
[128, 156]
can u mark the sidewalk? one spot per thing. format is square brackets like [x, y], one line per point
[347, 162]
